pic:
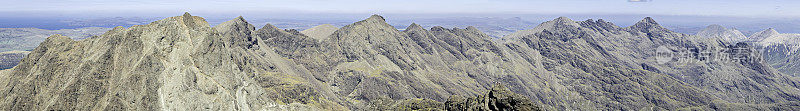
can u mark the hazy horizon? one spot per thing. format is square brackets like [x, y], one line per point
[748, 16]
[731, 8]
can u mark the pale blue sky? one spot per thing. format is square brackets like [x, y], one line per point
[741, 8]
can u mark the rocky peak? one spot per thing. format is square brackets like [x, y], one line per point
[472, 29]
[438, 28]
[600, 24]
[236, 24]
[647, 20]
[560, 21]
[374, 22]
[771, 31]
[648, 25]
[376, 17]
[187, 17]
[56, 39]
[758, 36]
[768, 32]
[269, 27]
[189, 20]
[414, 26]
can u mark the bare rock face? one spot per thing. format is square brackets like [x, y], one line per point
[181, 63]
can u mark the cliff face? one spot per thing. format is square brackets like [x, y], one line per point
[182, 63]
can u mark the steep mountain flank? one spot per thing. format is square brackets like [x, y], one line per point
[181, 63]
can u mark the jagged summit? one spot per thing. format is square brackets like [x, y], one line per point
[376, 17]
[761, 35]
[648, 25]
[370, 65]
[269, 27]
[562, 19]
[648, 20]
[188, 19]
[471, 28]
[57, 38]
[374, 22]
[186, 15]
[414, 26]
[234, 23]
[549, 25]
[769, 31]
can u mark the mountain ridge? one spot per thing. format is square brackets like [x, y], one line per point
[183, 63]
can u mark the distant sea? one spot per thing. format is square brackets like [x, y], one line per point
[42, 23]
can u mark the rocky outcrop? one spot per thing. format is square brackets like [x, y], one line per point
[499, 98]
[181, 63]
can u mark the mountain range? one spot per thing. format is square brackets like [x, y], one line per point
[182, 63]
[780, 50]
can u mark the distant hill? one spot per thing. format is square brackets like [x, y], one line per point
[10, 59]
[29, 38]
[782, 51]
[320, 32]
[722, 33]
